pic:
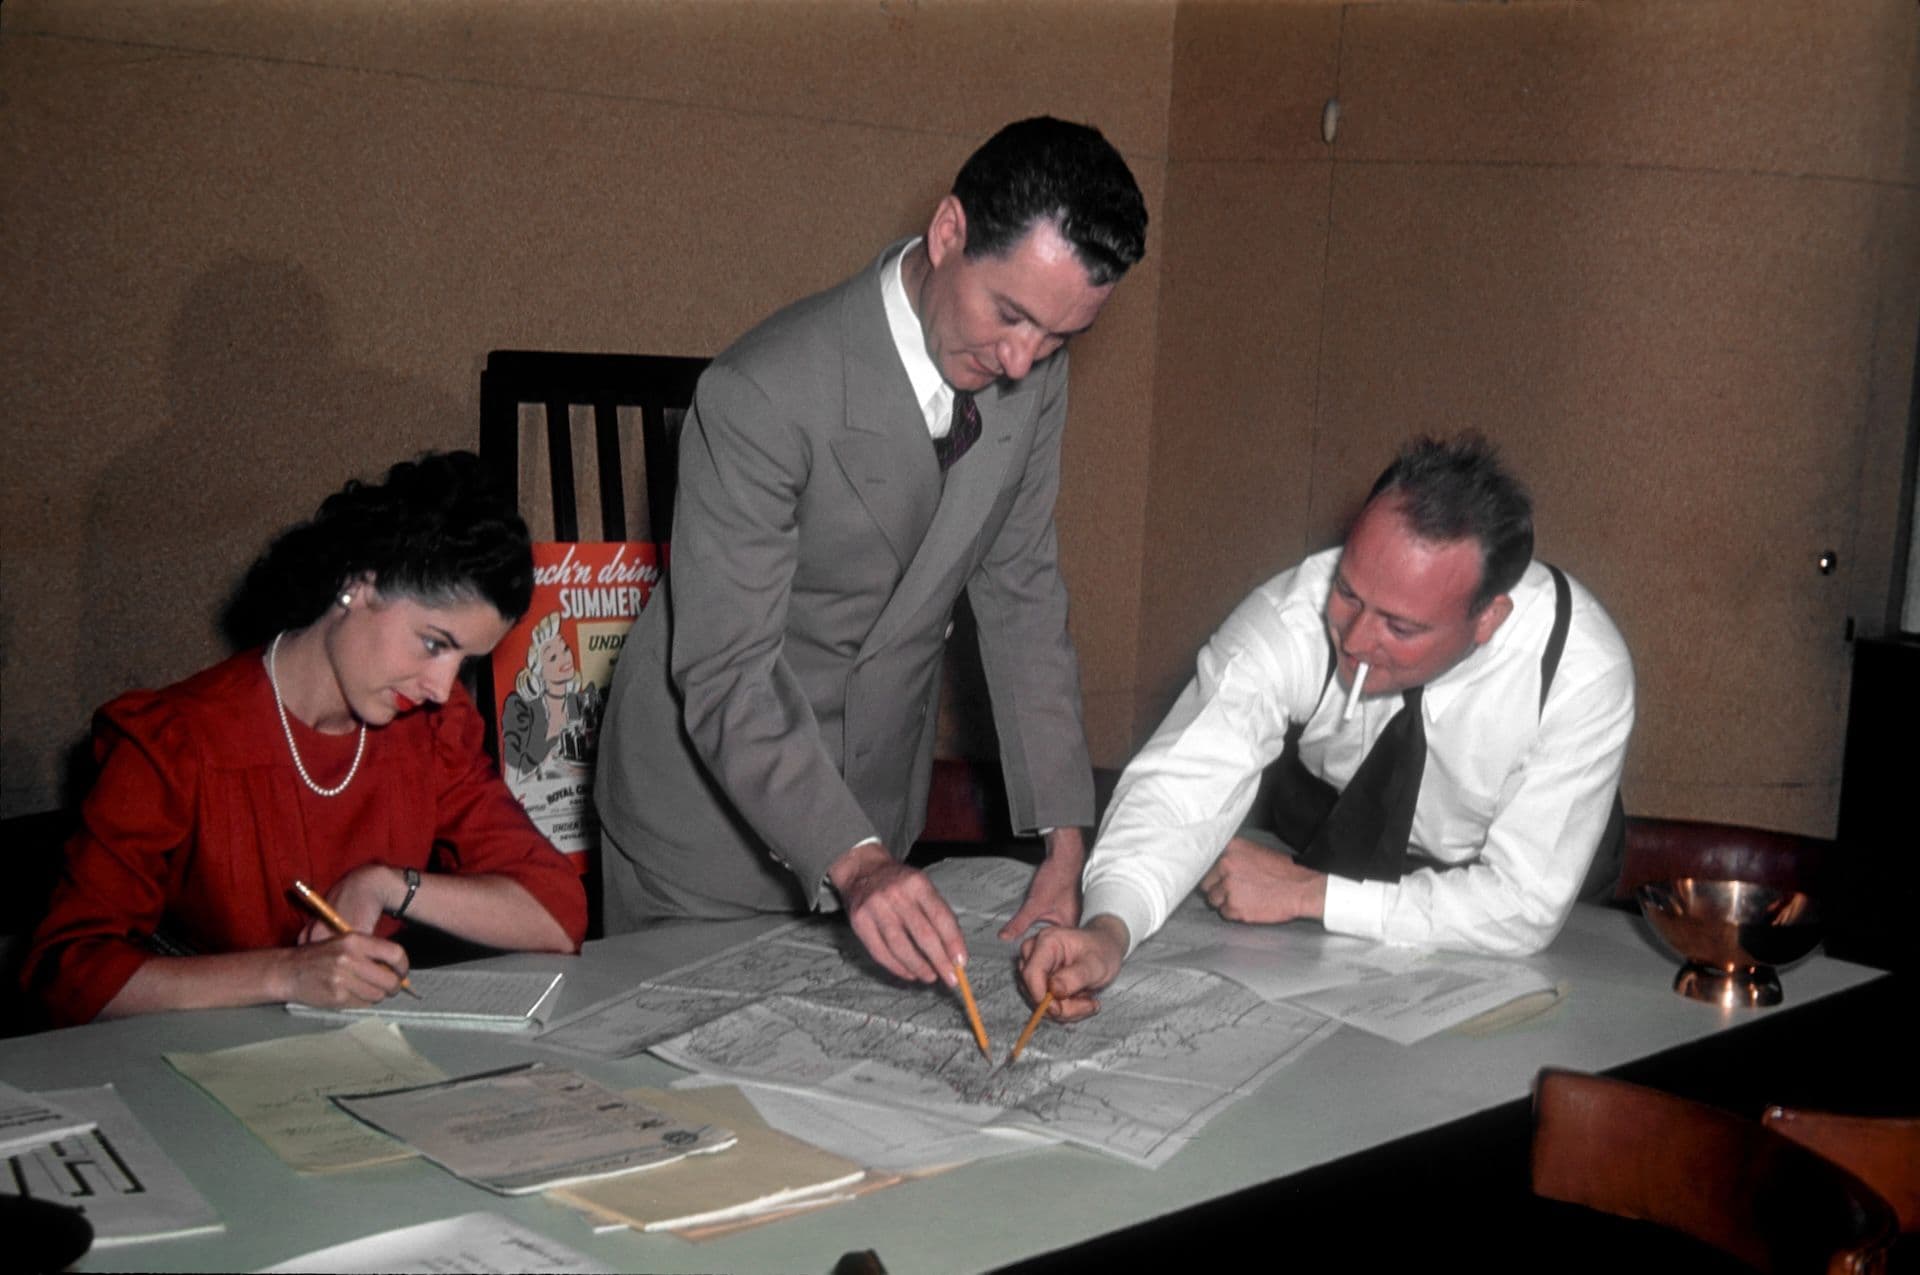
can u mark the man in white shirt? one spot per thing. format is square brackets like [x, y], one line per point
[848, 468]
[1456, 800]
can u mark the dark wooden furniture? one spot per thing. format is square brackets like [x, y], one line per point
[660, 387]
[554, 382]
[1882, 1151]
[1728, 1181]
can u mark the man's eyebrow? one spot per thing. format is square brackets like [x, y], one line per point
[1008, 303]
[1346, 586]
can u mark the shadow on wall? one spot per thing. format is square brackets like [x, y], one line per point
[265, 417]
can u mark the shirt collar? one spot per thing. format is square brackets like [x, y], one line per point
[930, 389]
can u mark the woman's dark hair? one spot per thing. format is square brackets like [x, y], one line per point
[435, 529]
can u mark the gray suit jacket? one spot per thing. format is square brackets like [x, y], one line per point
[780, 708]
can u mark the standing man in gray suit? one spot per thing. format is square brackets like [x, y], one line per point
[849, 466]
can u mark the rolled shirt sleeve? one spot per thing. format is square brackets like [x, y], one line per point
[1186, 792]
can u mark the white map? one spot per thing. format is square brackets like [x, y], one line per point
[802, 1007]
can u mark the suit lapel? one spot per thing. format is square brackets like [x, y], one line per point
[883, 447]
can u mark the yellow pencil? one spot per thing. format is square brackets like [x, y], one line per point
[973, 1011]
[337, 923]
[1026, 1033]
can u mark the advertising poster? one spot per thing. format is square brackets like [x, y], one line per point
[551, 673]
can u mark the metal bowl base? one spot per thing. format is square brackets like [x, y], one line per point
[1745, 987]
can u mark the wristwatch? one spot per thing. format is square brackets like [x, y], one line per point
[413, 887]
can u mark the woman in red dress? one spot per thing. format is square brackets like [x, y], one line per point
[343, 753]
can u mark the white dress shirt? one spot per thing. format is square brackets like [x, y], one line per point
[930, 389]
[1517, 795]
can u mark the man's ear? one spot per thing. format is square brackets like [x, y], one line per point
[947, 232]
[1491, 617]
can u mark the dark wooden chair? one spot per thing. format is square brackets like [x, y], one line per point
[1882, 1151]
[1668, 849]
[656, 388]
[616, 397]
[614, 390]
[1728, 1182]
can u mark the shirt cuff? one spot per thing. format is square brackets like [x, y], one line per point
[1357, 908]
[825, 897]
[1124, 905]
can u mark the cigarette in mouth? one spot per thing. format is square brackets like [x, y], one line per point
[1353, 692]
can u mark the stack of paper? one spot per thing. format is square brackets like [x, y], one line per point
[767, 1172]
[530, 1128]
[279, 1089]
[469, 1000]
[114, 1174]
[30, 1120]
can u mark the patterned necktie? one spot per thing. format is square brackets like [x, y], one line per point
[1365, 835]
[964, 432]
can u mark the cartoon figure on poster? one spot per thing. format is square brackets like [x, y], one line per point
[552, 716]
[551, 673]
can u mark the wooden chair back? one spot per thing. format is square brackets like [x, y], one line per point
[1882, 1151]
[618, 397]
[1668, 849]
[611, 389]
[1747, 1190]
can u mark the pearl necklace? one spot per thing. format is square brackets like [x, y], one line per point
[359, 750]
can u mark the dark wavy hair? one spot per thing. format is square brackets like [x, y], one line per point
[1044, 169]
[436, 529]
[1456, 489]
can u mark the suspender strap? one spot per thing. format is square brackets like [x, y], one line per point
[1603, 875]
[1557, 640]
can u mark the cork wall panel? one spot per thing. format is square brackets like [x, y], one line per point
[1101, 509]
[1679, 364]
[961, 69]
[1795, 86]
[234, 281]
[1233, 443]
[1251, 78]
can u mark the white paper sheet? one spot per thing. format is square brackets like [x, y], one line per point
[279, 1090]
[885, 1138]
[530, 1128]
[30, 1120]
[1443, 991]
[1284, 962]
[472, 1244]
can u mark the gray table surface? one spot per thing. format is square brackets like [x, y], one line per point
[1352, 1092]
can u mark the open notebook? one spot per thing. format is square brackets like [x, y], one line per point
[478, 1000]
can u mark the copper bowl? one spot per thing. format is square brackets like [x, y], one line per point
[1732, 935]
